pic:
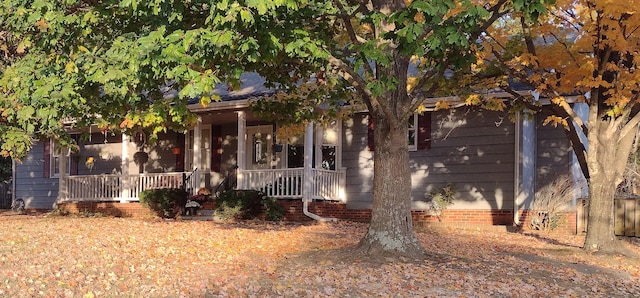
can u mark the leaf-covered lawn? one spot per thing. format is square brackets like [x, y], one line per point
[44, 256]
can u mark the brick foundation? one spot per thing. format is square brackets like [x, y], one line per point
[294, 213]
[133, 209]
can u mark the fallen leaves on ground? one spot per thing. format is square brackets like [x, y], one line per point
[44, 256]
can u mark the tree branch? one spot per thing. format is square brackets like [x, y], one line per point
[356, 81]
[352, 35]
[531, 48]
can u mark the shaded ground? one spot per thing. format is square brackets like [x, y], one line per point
[105, 257]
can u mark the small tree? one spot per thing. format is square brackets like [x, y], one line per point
[441, 199]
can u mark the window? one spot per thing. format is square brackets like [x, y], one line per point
[54, 162]
[329, 145]
[419, 134]
[413, 134]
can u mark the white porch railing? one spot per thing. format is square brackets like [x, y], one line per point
[328, 184]
[289, 183]
[278, 183]
[104, 187]
[110, 187]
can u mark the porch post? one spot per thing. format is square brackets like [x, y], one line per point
[197, 133]
[319, 141]
[242, 147]
[339, 145]
[308, 155]
[63, 191]
[125, 180]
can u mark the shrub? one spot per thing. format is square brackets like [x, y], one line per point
[247, 204]
[273, 211]
[60, 211]
[441, 198]
[551, 201]
[166, 202]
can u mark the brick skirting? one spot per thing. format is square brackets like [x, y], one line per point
[133, 209]
[294, 213]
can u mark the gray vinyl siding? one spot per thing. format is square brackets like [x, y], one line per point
[553, 153]
[161, 158]
[31, 185]
[106, 154]
[471, 149]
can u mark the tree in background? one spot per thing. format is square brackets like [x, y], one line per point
[588, 50]
[7, 55]
[111, 63]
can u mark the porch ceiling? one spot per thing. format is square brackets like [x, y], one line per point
[225, 117]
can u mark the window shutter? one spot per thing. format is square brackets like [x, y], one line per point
[46, 164]
[180, 139]
[370, 140]
[216, 152]
[74, 161]
[424, 131]
[73, 165]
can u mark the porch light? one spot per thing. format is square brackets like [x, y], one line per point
[176, 150]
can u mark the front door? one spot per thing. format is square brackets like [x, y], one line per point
[259, 147]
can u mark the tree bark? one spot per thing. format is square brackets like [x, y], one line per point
[601, 197]
[391, 228]
[602, 187]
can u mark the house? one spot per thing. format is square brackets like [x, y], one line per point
[495, 164]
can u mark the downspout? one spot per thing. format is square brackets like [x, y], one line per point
[308, 176]
[517, 181]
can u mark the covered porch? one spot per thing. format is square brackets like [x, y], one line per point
[276, 183]
[246, 152]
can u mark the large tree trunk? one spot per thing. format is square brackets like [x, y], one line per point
[602, 186]
[600, 236]
[391, 227]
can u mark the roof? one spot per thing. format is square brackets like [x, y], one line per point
[252, 86]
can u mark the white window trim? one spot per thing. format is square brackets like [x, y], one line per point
[189, 151]
[53, 154]
[414, 147]
[320, 140]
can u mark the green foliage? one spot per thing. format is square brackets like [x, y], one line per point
[273, 210]
[166, 202]
[247, 204]
[6, 169]
[78, 60]
[85, 213]
[60, 212]
[441, 198]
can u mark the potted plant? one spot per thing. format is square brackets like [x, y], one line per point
[140, 157]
